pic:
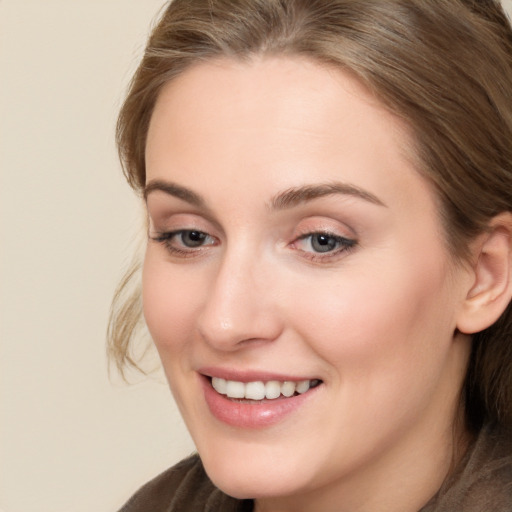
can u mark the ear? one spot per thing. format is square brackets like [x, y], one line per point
[491, 290]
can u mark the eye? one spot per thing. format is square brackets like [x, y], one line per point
[192, 238]
[184, 241]
[323, 243]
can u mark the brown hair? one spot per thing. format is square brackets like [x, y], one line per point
[443, 66]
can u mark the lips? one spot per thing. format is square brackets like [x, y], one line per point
[255, 401]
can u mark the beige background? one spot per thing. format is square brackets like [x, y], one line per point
[70, 440]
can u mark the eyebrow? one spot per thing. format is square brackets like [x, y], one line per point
[174, 190]
[297, 195]
[287, 199]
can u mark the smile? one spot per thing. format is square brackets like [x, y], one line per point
[259, 390]
[255, 404]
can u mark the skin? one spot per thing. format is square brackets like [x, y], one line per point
[375, 320]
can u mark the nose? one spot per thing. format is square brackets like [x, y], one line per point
[240, 305]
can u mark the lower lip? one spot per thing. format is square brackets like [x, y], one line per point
[252, 415]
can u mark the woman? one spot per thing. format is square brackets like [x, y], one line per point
[327, 276]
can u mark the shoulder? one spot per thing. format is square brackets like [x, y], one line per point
[184, 487]
[489, 471]
[159, 492]
[483, 481]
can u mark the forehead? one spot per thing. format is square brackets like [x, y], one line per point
[275, 123]
[268, 95]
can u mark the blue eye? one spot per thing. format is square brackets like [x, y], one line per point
[324, 243]
[184, 241]
[192, 238]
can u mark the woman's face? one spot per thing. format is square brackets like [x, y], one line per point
[291, 240]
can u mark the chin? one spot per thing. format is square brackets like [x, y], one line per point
[257, 472]
[253, 483]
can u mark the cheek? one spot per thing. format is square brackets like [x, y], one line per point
[168, 303]
[385, 337]
[367, 321]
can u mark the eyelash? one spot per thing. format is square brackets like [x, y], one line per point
[167, 238]
[342, 244]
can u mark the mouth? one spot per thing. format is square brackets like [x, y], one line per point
[257, 400]
[260, 391]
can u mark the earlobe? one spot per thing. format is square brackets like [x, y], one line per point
[491, 290]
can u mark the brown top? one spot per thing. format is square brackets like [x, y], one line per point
[184, 488]
[483, 480]
[482, 483]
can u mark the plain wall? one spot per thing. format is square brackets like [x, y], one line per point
[70, 439]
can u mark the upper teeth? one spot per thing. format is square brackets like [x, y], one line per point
[258, 390]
